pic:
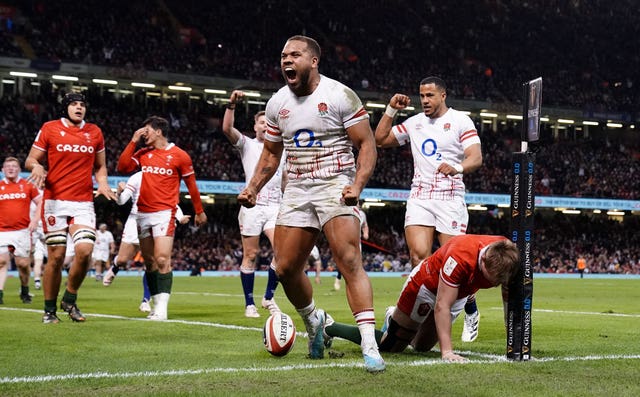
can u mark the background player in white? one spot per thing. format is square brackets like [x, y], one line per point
[73, 150]
[261, 218]
[444, 144]
[129, 243]
[318, 121]
[104, 247]
[16, 224]
[163, 166]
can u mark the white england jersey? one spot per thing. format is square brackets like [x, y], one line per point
[313, 129]
[434, 141]
[131, 191]
[250, 150]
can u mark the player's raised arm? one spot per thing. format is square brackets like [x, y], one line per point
[265, 169]
[126, 162]
[232, 134]
[384, 136]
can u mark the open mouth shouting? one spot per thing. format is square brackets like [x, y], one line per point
[290, 74]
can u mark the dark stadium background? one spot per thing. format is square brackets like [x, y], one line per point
[484, 50]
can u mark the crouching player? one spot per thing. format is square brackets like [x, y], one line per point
[436, 291]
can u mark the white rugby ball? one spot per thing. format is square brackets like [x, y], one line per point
[279, 334]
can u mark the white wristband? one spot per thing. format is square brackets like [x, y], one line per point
[458, 168]
[390, 111]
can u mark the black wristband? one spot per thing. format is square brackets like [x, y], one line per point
[231, 106]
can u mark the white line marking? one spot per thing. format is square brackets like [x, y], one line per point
[350, 364]
[483, 358]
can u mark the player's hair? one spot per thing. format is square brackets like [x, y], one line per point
[257, 115]
[312, 45]
[501, 260]
[158, 123]
[435, 80]
[10, 158]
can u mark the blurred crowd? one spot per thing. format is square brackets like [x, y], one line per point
[484, 49]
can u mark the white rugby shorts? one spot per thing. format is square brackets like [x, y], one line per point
[19, 239]
[253, 221]
[448, 216]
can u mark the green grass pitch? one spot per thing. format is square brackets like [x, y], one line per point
[586, 341]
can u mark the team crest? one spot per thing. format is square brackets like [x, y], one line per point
[169, 157]
[323, 109]
[454, 225]
[447, 127]
[284, 113]
[62, 133]
[51, 220]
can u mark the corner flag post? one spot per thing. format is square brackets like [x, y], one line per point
[522, 226]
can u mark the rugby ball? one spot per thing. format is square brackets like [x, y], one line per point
[279, 334]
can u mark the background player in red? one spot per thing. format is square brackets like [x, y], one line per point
[163, 165]
[16, 224]
[73, 150]
[436, 291]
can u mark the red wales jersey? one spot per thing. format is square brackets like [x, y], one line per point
[15, 201]
[71, 153]
[162, 171]
[457, 264]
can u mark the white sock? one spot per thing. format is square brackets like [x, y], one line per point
[161, 303]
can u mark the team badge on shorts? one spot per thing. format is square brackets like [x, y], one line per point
[454, 225]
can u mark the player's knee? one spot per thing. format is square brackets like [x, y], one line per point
[396, 338]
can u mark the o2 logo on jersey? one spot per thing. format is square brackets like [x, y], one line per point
[430, 148]
[305, 138]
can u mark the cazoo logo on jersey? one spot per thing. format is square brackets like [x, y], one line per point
[13, 196]
[74, 148]
[157, 170]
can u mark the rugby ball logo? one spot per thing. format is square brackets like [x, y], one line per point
[279, 334]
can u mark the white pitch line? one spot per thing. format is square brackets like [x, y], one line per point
[350, 364]
[483, 359]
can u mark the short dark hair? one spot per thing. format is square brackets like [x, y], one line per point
[502, 260]
[158, 123]
[435, 80]
[312, 45]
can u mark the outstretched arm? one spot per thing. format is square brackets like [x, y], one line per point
[445, 298]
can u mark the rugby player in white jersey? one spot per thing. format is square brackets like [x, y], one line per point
[261, 218]
[444, 144]
[318, 121]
